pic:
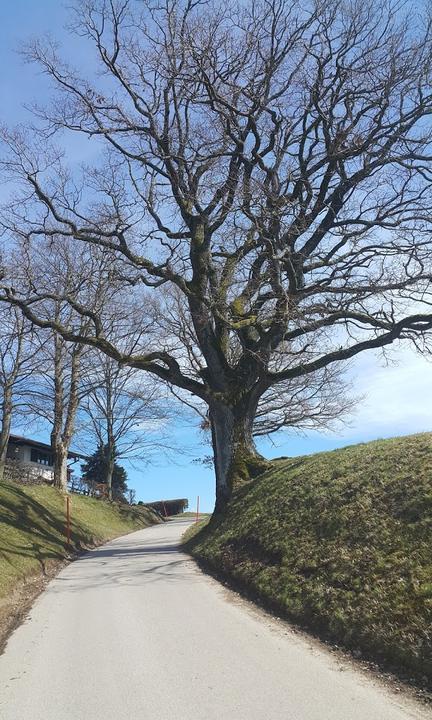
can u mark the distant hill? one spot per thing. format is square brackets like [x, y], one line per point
[340, 542]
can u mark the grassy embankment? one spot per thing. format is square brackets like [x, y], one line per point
[32, 541]
[340, 542]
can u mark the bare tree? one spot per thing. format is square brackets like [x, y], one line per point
[65, 370]
[271, 161]
[17, 368]
[320, 401]
[124, 410]
[323, 399]
[68, 392]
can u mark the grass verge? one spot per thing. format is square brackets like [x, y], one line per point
[32, 541]
[340, 543]
[194, 530]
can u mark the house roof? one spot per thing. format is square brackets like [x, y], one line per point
[18, 440]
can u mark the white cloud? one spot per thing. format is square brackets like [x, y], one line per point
[398, 397]
[397, 400]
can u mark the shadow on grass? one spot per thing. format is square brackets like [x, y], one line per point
[44, 529]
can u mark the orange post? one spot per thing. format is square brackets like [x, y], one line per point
[68, 521]
[197, 512]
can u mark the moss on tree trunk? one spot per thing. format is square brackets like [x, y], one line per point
[236, 458]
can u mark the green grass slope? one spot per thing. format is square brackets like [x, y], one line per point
[341, 542]
[32, 522]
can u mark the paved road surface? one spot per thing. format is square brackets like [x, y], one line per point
[134, 631]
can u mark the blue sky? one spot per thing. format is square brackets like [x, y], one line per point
[19, 21]
[398, 398]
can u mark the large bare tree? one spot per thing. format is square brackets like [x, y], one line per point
[270, 160]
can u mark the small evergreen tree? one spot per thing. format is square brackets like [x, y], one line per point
[95, 472]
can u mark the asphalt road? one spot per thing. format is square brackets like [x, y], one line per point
[133, 631]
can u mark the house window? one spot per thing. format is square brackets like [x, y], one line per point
[40, 457]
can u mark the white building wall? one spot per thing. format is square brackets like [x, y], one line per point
[26, 450]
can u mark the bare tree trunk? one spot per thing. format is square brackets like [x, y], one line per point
[110, 471]
[235, 456]
[5, 427]
[56, 434]
[110, 446]
[72, 406]
[63, 427]
[8, 378]
[60, 465]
